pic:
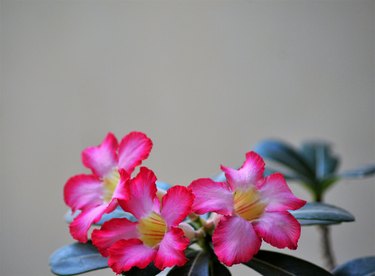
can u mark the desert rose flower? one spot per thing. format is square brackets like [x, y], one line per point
[251, 208]
[97, 193]
[155, 236]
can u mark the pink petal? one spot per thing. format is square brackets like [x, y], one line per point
[248, 175]
[276, 194]
[82, 223]
[125, 254]
[103, 158]
[83, 191]
[235, 240]
[133, 149]
[141, 192]
[112, 231]
[120, 191]
[279, 229]
[211, 196]
[171, 249]
[176, 205]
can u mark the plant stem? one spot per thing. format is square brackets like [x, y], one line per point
[326, 244]
[326, 247]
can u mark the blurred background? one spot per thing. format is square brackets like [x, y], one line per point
[206, 80]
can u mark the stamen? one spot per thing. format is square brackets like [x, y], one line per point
[152, 229]
[248, 205]
[110, 184]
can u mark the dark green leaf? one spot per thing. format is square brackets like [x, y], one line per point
[218, 269]
[150, 270]
[365, 171]
[273, 263]
[198, 265]
[328, 182]
[190, 253]
[285, 154]
[360, 266]
[321, 213]
[319, 156]
[76, 258]
[308, 222]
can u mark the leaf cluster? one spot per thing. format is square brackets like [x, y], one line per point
[314, 165]
[78, 258]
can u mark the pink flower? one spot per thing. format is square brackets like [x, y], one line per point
[97, 193]
[252, 208]
[155, 236]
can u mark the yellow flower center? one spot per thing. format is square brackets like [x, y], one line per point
[247, 204]
[110, 184]
[152, 229]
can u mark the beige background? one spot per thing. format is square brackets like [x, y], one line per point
[205, 80]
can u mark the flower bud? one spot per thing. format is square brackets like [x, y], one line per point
[189, 231]
[212, 221]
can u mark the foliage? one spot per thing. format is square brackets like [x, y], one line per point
[78, 258]
[359, 266]
[313, 164]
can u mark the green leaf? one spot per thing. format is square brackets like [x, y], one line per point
[360, 266]
[362, 172]
[319, 156]
[285, 154]
[273, 263]
[198, 265]
[308, 222]
[218, 269]
[76, 258]
[150, 270]
[328, 182]
[321, 213]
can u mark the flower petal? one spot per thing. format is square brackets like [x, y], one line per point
[112, 231]
[279, 229]
[133, 149]
[176, 205]
[235, 240]
[171, 249]
[141, 192]
[101, 159]
[125, 254]
[248, 175]
[276, 194]
[81, 224]
[211, 196]
[83, 191]
[120, 190]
